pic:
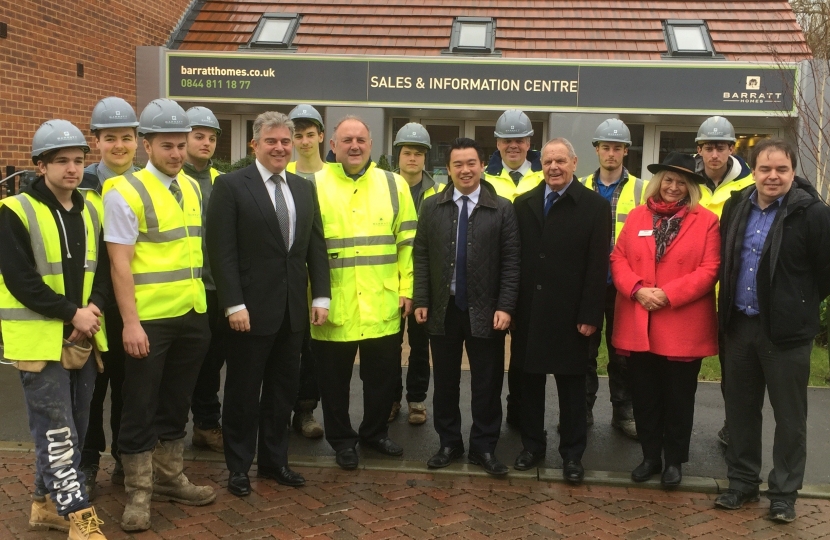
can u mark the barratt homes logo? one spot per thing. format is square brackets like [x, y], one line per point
[753, 93]
[66, 137]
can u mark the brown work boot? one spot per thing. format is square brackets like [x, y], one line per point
[138, 484]
[308, 426]
[170, 482]
[45, 516]
[396, 408]
[417, 413]
[209, 438]
[84, 525]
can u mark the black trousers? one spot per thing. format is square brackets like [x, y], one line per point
[309, 390]
[379, 363]
[95, 441]
[515, 372]
[664, 405]
[417, 374]
[261, 384]
[755, 364]
[206, 409]
[617, 377]
[486, 357]
[158, 388]
[573, 427]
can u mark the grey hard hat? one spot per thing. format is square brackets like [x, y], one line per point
[513, 123]
[413, 133]
[304, 111]
[163, 116]
[612, 130]
[204, 117]
[715, 128]
[112, 112]
[54, 135]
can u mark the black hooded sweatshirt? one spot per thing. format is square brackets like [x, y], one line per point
[17, 260]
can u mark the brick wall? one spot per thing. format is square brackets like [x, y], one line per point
[38, 62]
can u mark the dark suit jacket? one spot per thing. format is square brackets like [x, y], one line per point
[248, 256]
[564, 272]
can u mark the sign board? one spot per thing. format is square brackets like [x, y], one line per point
[453, 83]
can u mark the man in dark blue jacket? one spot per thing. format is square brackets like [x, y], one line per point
[775, 269]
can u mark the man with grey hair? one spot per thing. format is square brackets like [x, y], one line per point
[370, 224]
[265, 244]
[565, 232]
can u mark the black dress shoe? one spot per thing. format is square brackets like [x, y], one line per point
[238, 484]
[671, 476]
[645, 470]
[283, 475]
[488, 462]
[347, 459]
[732, 499]
[527, 460]
[445, 456]
[573, 471]
[385, 446]
[781, 511]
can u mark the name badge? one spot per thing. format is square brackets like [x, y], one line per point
[647, 232]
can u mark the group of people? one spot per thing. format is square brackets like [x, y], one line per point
[147, 281]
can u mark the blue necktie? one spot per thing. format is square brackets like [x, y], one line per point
[549, 200]
[461, 258]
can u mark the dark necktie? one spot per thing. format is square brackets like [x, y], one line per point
[461, 257]
[176, 190]
[281, 207]
[516, 176]
[549, 200]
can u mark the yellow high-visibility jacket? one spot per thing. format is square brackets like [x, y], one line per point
[369, 225]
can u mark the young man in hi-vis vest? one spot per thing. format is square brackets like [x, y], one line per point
[55, 281]
[154, 239]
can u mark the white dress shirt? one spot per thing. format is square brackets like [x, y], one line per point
[525, 167]
[471, 204]
[270, 186]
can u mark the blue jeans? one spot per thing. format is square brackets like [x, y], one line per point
[57, 401]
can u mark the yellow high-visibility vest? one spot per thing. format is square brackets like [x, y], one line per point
[167, 264]
[631, 196]
[27, 335]
[715, 201]
[369, 225]
[505, 187]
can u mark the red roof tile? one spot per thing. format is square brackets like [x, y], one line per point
[751, 30]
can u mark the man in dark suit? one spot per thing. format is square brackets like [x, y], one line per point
[565, 231]
[467, 236]
[265, 243]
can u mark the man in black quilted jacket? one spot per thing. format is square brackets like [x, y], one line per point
[466, 286]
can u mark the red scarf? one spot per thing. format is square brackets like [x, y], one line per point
[667, 218]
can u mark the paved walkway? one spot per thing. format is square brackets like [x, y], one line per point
[373, 504]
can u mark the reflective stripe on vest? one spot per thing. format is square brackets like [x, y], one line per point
[167, 262]
[29, 335]
[152, 220]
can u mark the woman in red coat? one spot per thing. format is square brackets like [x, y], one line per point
[665, 265]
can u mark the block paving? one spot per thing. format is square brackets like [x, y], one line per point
[378, 504]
